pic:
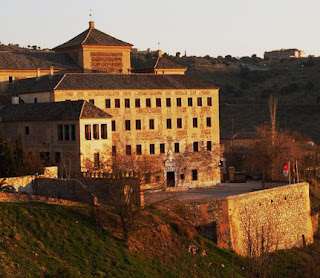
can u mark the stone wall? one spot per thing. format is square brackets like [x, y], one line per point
[267, 220]
[86, 190]
[256, 222]
[24, 184]
[18, 197]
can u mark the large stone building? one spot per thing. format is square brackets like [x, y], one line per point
[166, 119]
[73, 133]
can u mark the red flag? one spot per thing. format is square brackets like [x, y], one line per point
[286, 169]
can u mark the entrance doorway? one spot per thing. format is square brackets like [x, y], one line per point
[171, 182]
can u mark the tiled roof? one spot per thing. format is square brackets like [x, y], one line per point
[31, 85]
[34, 60]
[51, 111]
[5, 100]
[165, 63]
[93, 36]
[156, 63]
[98, 81]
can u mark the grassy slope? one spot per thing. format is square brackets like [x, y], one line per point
[245, 98]
[40, 240]
[52, 241]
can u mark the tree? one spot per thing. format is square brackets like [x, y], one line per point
[7, 161]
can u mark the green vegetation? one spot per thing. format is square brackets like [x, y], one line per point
[39, 240]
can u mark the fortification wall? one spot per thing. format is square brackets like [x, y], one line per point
[25, 184]
[18, 197]
[266, 220]
[256, 222]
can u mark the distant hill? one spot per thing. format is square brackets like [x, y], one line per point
[246, 84]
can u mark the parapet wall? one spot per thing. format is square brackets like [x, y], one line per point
[257, 222]
[266, 220]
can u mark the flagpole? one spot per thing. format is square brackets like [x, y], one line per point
[297, 172]
[289, 173]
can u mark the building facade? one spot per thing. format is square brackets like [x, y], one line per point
[166, 122]
[284, 54]
[72, 135]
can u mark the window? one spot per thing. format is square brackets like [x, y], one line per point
[60, 132]
[179, 123]
[209, 145]
[190, 101]
[57, 157]
[127, 103]
[151, 148]
[108, 103]
[195, 147]
[96, 160]
[137, 102]
[66, 130]
[91, 101]
[35, 100]
[117, 103]
[169, 125]
[104, 133]
[73, 132]
[176, 147]
[162, 148]
[128, 125]
[114, 150]
[179, 101]
[151, 124]
[199, 101]
[11, 79]
[113, 125]
[128, 150]
[96, 132]
[45, 157]
[138, 124]
[158, 102]
[195, 122]
[209, 101]
[148, 102]
[27, 130]
[138, 150]
[194, 175]
[208, 121]
[168, 102]
[181, 176]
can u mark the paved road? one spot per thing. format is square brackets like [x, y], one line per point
[201, 194]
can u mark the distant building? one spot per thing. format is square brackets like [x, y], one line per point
[284, 54]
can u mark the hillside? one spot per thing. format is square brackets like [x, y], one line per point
[39, 240]
[246, 84]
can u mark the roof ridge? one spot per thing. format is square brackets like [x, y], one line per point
[83, 104]
[158, 59]
[90, 29]
[59, 82]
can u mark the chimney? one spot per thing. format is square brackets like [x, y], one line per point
[51, 70]
[15, 100]
[91, 24]
[38, 73]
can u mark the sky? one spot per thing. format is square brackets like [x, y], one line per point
[199, 27]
